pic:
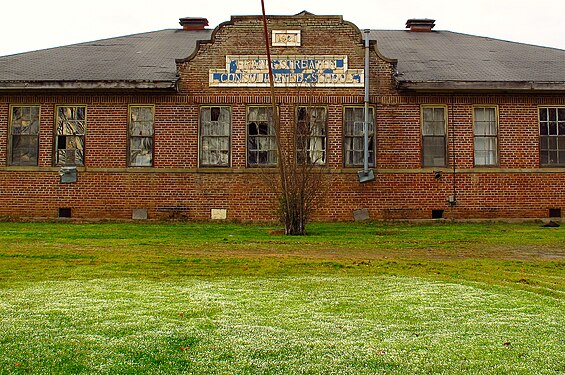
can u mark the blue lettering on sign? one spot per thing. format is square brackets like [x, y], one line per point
[287, 70]
[233, 66]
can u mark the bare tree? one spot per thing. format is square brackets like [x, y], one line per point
[303, 161]
[298, 159]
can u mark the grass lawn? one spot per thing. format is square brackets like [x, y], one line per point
[122, 298]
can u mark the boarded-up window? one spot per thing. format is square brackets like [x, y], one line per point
[486, 141]
[261, 137]
[24, 135]
[552, 135]
[311, 135]
[215, 125]
[433, 136]
[70, 133]
[354, 139]
[140, 136]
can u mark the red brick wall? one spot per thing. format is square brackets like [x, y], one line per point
[106, 188]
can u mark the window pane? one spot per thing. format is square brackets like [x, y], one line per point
[543, 114]
[24, 150]
[544, 143]
[71, 128]
[141, 121]
[261, 138]
[544, 157]
[434, 151]
[354, 139]
[552, 135]
[485, 151]
[428, 114]
[141, 130]
[561, 128]
[543, 128]
[141, 151]
[552, 114]
[310, 135]
[434, 121]
[24, 128]
[215, 128]
[561, 114]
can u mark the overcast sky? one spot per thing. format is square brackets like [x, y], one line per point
[29, 25]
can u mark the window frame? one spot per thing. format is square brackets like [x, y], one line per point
[325, 135]
[257, 165]
[445, 139]
[496, 136]
[229, 136]
[128, 154]
[56, 136]
[10, 154]
[345, 136]
[557, 108]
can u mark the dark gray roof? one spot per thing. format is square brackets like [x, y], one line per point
[141, 60]
[425, 60]
[444, 59]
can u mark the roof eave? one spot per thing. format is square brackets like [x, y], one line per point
[481, 86]
[88, 85]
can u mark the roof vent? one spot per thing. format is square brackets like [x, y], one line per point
[193, 23]
[420, 24]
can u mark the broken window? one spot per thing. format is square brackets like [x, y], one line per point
[24, 135]
[433, 136]
[552, 135]
[261, 137]
[215, 124]
[354, 139]
[140, 136]
[71, 129]
[311, 135]
[486, 140]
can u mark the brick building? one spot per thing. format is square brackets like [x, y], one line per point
[176, 123]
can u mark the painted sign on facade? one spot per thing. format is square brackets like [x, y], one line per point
[288, 71]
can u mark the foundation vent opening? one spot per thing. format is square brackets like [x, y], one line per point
[437, 214]
[554, 213]
[64, 212]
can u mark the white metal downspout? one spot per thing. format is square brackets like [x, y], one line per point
[366, 175]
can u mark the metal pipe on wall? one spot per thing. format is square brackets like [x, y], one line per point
[366, 175]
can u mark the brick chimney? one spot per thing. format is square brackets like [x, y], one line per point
[420, 24]
[193, 23]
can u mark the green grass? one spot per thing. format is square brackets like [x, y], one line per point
[234, 299]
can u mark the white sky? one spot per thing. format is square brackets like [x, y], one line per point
[29, 25]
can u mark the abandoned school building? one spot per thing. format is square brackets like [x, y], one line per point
[178, 122]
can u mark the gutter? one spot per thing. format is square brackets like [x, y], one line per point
[88, 85]
[480, 85]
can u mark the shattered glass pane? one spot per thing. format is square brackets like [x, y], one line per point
[24, 150]
[141, 151]
[141, 132]
[354, 139]
[141, 121]
[261, 138]
[71, 128]
[24, 128]
[215, 124]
